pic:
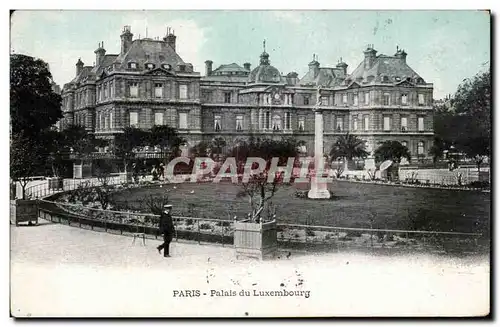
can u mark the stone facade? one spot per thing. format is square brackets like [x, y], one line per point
[148, 83]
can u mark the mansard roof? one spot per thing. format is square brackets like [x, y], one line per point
[385, 69]
[325, 77]
[152, 51]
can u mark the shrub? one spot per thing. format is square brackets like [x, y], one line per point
[205, 226]
[353, 233]
[189, 222]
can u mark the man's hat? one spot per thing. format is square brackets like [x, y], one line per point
[168, 206]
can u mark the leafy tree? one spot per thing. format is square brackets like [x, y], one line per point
[472, 105]
[125, 143]
[33, 105]
[348, 147]
[165, 137]
[217, 146]
[473, 99]
[27, 158]
[392, 150]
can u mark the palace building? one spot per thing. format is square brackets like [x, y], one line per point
[148, 84]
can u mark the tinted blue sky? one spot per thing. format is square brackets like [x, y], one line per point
[444, 47]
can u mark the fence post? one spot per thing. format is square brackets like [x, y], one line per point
[222, 233]
[198, 223]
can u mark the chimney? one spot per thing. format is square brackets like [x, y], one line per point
[247, 66]
[79, 66]
[170, 38]
[342, 65]
[401, 54]
[99, 54]
[293, 77]
[208, 67]
[370, 55]
[314, 66]
[126, 39]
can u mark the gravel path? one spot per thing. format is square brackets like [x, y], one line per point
[58, 270]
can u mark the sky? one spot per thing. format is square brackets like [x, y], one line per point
[444, 47]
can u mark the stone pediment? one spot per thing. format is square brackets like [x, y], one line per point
[405, 83]
[354, 85]
[159, 72]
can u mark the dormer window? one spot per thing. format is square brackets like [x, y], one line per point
[132, 65]
[397, 78]
[182, 68]
[166, 66]
[385, 79]
[150, 66]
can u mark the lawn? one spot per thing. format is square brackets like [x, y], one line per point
[352, 205]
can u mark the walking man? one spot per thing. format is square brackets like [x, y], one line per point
[167, 229]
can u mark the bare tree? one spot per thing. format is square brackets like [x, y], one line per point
[259, 191]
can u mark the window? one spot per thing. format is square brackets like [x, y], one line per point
[158, 118]
[324, 101]
[404, 124]
[111, 122]
[111, 89]
[134, 90]
[166, 66]
[134, 119]
[132, 65]
[205, 96]
[217, 123]
[385, 79]
[97, 121]
[420, 124]
[420, 148]
[267, 120]
[339, 125]
[106, 121]
[158, 90]
[367, 97]
[276, 123]
[182, 68]
[183, 88]
[421, 99]
[306, 100]
[183, 120]
[355, 99]
[404, 99]
[150, 66]
[366, 122]
[387, 99]
[404, 143]
[387, 123]
[355, 124]
[227, 97]
[344, 98]
[288, 120]
[239, 123]
[302, 123]
[106, 90]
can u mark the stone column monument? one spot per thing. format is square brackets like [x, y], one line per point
[319, 188]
